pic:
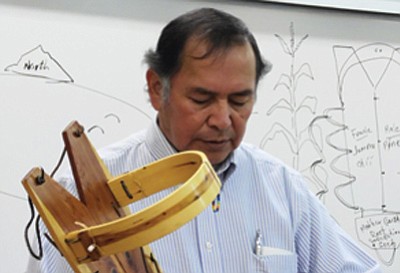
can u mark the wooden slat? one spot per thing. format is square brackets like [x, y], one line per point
[63, 213]
[60, 212]
[91, 177]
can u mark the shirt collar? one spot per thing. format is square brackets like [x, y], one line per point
[226, 168]
[157, 144]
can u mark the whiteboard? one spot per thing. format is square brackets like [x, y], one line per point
[379, 6]
[328, 108]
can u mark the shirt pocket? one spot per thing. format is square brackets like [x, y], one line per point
[275, 263]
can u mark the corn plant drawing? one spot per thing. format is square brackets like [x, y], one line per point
[300, 136]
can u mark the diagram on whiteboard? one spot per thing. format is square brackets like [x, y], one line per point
[371, 130]
[39, 63]
[351, 146]
[296, 112]
[39, 98]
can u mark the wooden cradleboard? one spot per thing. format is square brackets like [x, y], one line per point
[95, 233]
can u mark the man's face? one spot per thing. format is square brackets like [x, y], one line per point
[210, 100]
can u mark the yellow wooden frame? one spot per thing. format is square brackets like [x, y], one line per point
[98, 233]
[198, 187]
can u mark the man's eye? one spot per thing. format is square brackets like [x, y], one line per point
[239, 102]
[200, 101]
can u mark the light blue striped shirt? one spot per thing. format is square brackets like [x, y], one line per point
[260, 194]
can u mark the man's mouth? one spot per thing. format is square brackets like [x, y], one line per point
[217, 144]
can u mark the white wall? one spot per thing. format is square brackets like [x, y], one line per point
[344, 60]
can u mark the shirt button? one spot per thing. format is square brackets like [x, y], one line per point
[209, 245]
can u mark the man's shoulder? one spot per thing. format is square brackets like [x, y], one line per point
[123, 146]
[124, 155]
[250, 153]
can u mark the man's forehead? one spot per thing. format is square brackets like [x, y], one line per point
[200, 48]
[196, 48]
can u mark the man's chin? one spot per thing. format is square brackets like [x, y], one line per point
[216, 160]
[215, 155]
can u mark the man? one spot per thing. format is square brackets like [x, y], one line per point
[202, 80]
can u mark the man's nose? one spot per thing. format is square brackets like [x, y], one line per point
[220, 116]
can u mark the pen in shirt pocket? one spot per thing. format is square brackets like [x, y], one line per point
[258, 245]
[263, 251]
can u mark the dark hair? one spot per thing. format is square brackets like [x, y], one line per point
[219, 29]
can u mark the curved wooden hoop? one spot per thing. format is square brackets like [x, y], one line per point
[199, 187]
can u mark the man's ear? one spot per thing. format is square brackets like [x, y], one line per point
[155, 87]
